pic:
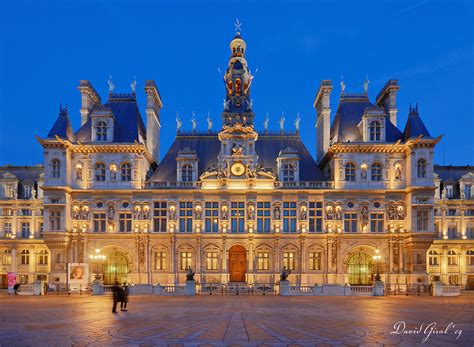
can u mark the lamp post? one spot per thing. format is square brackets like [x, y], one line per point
[97, 258]
[377, 257]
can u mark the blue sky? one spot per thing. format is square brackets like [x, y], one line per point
[46, 47]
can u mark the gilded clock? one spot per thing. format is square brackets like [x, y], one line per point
[237, 169]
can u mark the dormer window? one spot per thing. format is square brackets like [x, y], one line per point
[350, 172]
[376, 172]
[375, 130]
[101, 131]
[421, 168]
[288, 173]
[100, 172]
[55, 168]
[126, 170]
[187, 173]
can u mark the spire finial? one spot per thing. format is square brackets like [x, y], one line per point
[366, 85]
[343, 86]
[238, 26]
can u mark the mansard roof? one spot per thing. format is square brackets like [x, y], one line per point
[128, 123]
[450, 173]
[414, 126]
[267, 147]
[62, 126]
[348, 116]
[23, 173]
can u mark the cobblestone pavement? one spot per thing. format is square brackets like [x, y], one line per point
[233, 321]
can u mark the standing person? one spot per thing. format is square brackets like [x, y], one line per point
[115, 296]
[125, 293]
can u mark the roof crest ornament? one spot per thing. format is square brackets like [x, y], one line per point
[297, 122]
[133, 85]
[111, 84]
[265, 123]
[343, 86]
[238, 26]
[179, 123]
[282, 121]
[366, 85]
[209, 122]
[194, 122]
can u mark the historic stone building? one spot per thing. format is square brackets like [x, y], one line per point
[239, 204]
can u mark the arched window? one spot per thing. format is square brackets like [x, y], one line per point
[186, 173]
[101, 131]
[126, 170]
[100, 172]
[25, 257]
[470, 257]
[375, 130]
[56, 168]
[433, 258]
[43, 257]
[288, 173]
[452, 257]
[421, 168]
[376, 172]
[350, 172]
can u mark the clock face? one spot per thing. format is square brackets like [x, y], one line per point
[237, 169]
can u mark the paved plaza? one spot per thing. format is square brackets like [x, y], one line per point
[235, 321]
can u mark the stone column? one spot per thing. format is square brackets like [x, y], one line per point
[224, 260]
[302, 262]
[251, 271]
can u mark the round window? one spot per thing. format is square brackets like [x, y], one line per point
[99, 204]
[377, 204]
[350, 204]
[125, 204]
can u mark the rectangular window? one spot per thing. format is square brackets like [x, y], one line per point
[350, 222]
[376, 222]
[237, 213]
[289, 217]
[315, 217]
[185, 217]
[211, 261]
[212, 217]
[470, 232]
[469, 212]
[451, 212]
[26, 212]
[315, 261]
[55, 220]
[7, 212]
[422, 217]
[125, 222]
[289, 260]
[160, 261]
[25, 230]
[7, 229]
[7, 257]
[263, 261]
[185, 260]
[160, 211]
[452, 231]
[99, 222]
[263, 217]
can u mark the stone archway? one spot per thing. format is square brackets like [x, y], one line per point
[237, 263]
[360, 268]
[115, 267]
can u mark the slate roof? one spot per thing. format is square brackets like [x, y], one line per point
[129, 126]
[207, 147]
[349, 113]
[23, 173]
[414, 126]
[62, 126]
[450, 173]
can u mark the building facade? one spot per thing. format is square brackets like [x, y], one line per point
[239, 204]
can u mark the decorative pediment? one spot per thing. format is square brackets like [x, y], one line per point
[469, 177]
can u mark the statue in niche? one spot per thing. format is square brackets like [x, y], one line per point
[33, 194]
[364, 212]
[111, 212]
[85, 213]
[224, 213]
[172, 213]
[391, 212]
[146, 213]
[338, 213]
[198, 213]
[276, 212]
[330, 213]
[398, 173]
[284, 274]
[444, 193]
[137, 213]
[303, 213]
[363, 172]
[400, 212]
[76, 213]
[251, 213]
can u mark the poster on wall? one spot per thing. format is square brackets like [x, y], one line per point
[11, 280]
[77, 274]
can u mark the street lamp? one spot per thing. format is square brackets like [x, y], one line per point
[97, 259]
[377, 257]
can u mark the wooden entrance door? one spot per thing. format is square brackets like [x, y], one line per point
[237, 263]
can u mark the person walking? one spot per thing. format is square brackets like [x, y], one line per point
[125, 293]
[115, 296]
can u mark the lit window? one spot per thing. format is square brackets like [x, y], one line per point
[211, 261]
[101, 131]
[263, 261]
[289, 260]
[422, 218]
[187, 173]
[7, 257]
[100, 172]
[185, 260]
[470, 257]
[375, 130]
[288, 173]
[433, 258]
[125, 222]
[99, 222]
[376, 222]
[126, 170]
[421, 168]
[376, 172]
[7, 229]
[25, 257]
[452, 257]
[350, 222]
[350, 173]
[160, 261]
[315, 217]
[315, 261]
[55, 168]
[43, 257]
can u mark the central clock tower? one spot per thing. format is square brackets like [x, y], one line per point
[237, 157]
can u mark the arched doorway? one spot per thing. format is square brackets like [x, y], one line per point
[237, 263]
[116, 268]
[360, 269]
